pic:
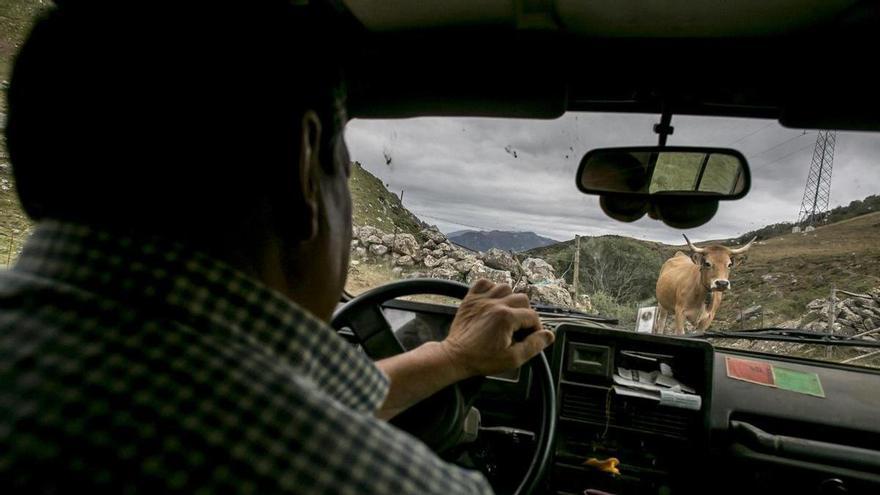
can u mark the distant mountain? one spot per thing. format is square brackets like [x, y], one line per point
[508, 241]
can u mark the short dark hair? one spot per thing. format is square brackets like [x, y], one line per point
[177, 115]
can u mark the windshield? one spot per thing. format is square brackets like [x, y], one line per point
[469, 198]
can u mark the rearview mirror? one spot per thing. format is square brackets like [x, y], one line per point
[669, 171]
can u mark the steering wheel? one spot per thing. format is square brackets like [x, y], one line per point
[447, 411]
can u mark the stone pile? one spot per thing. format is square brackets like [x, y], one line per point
[852, 315]
[431, 255]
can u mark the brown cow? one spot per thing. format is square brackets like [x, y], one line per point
[692, 286]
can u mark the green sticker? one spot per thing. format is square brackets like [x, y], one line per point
[798, 381]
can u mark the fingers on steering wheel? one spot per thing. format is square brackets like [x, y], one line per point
[537, 340]
[500, 291]
[526, 318]
[517, 301]
[480, 286]
[532, 345]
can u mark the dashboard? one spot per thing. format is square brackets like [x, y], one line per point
[720, 432]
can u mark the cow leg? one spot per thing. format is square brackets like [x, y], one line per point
[660, 326]
[705, 321]
[679, 321]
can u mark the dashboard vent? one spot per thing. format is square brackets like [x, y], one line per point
[643, 415]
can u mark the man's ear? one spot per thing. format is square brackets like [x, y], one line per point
[309, 170]
[698, 258]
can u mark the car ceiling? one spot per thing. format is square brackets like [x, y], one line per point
[617, 18]
[807, 63]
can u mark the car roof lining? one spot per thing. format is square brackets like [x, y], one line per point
[815, 79]
[529, 76]
[620, 18]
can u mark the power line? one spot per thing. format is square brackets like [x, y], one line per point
[751, 134]
[456, 222]
[786, 155]
[753, 155]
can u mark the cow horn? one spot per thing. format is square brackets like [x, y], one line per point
[744, 248]
[694, 248]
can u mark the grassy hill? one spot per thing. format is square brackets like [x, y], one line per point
[786, 272]
[854, 209]
[619, 273]
[620, 266]
[373, 204]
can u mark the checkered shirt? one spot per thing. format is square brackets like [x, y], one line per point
[130, 364]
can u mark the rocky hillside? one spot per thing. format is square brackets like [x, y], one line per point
[850, 314]
[379, 256]
[477, 240]
[390, 242]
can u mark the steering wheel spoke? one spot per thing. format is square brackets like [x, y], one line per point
[373, 332]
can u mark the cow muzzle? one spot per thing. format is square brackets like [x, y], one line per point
[721, 285]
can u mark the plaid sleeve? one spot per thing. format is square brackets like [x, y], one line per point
[352, 453]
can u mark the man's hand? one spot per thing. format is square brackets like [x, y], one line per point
[480, 341]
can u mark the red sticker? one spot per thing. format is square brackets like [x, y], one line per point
[747, 370]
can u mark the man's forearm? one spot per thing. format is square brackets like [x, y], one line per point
[416, 375]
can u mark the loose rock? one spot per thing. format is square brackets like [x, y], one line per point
[551, 294]
[500, 260]
[446, 273]
[378, 249]
[480, 270]
[538, 271]
[433, 234]
[405, 261]
[405, 244]
[431, 262]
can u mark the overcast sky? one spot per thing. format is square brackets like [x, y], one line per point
[461, 173]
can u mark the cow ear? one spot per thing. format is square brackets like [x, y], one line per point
[698, 258]
[739, 259]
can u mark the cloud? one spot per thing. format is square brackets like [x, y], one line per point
[519, 174]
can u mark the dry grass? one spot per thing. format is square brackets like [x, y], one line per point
[802, 267]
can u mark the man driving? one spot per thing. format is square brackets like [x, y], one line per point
[164, 329]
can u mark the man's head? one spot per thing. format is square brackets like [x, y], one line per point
[214, 124]
[715, 262]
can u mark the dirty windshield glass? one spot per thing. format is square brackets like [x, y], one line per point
[466, 198]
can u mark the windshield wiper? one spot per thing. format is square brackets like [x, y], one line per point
[792, 335]
[548, 308]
